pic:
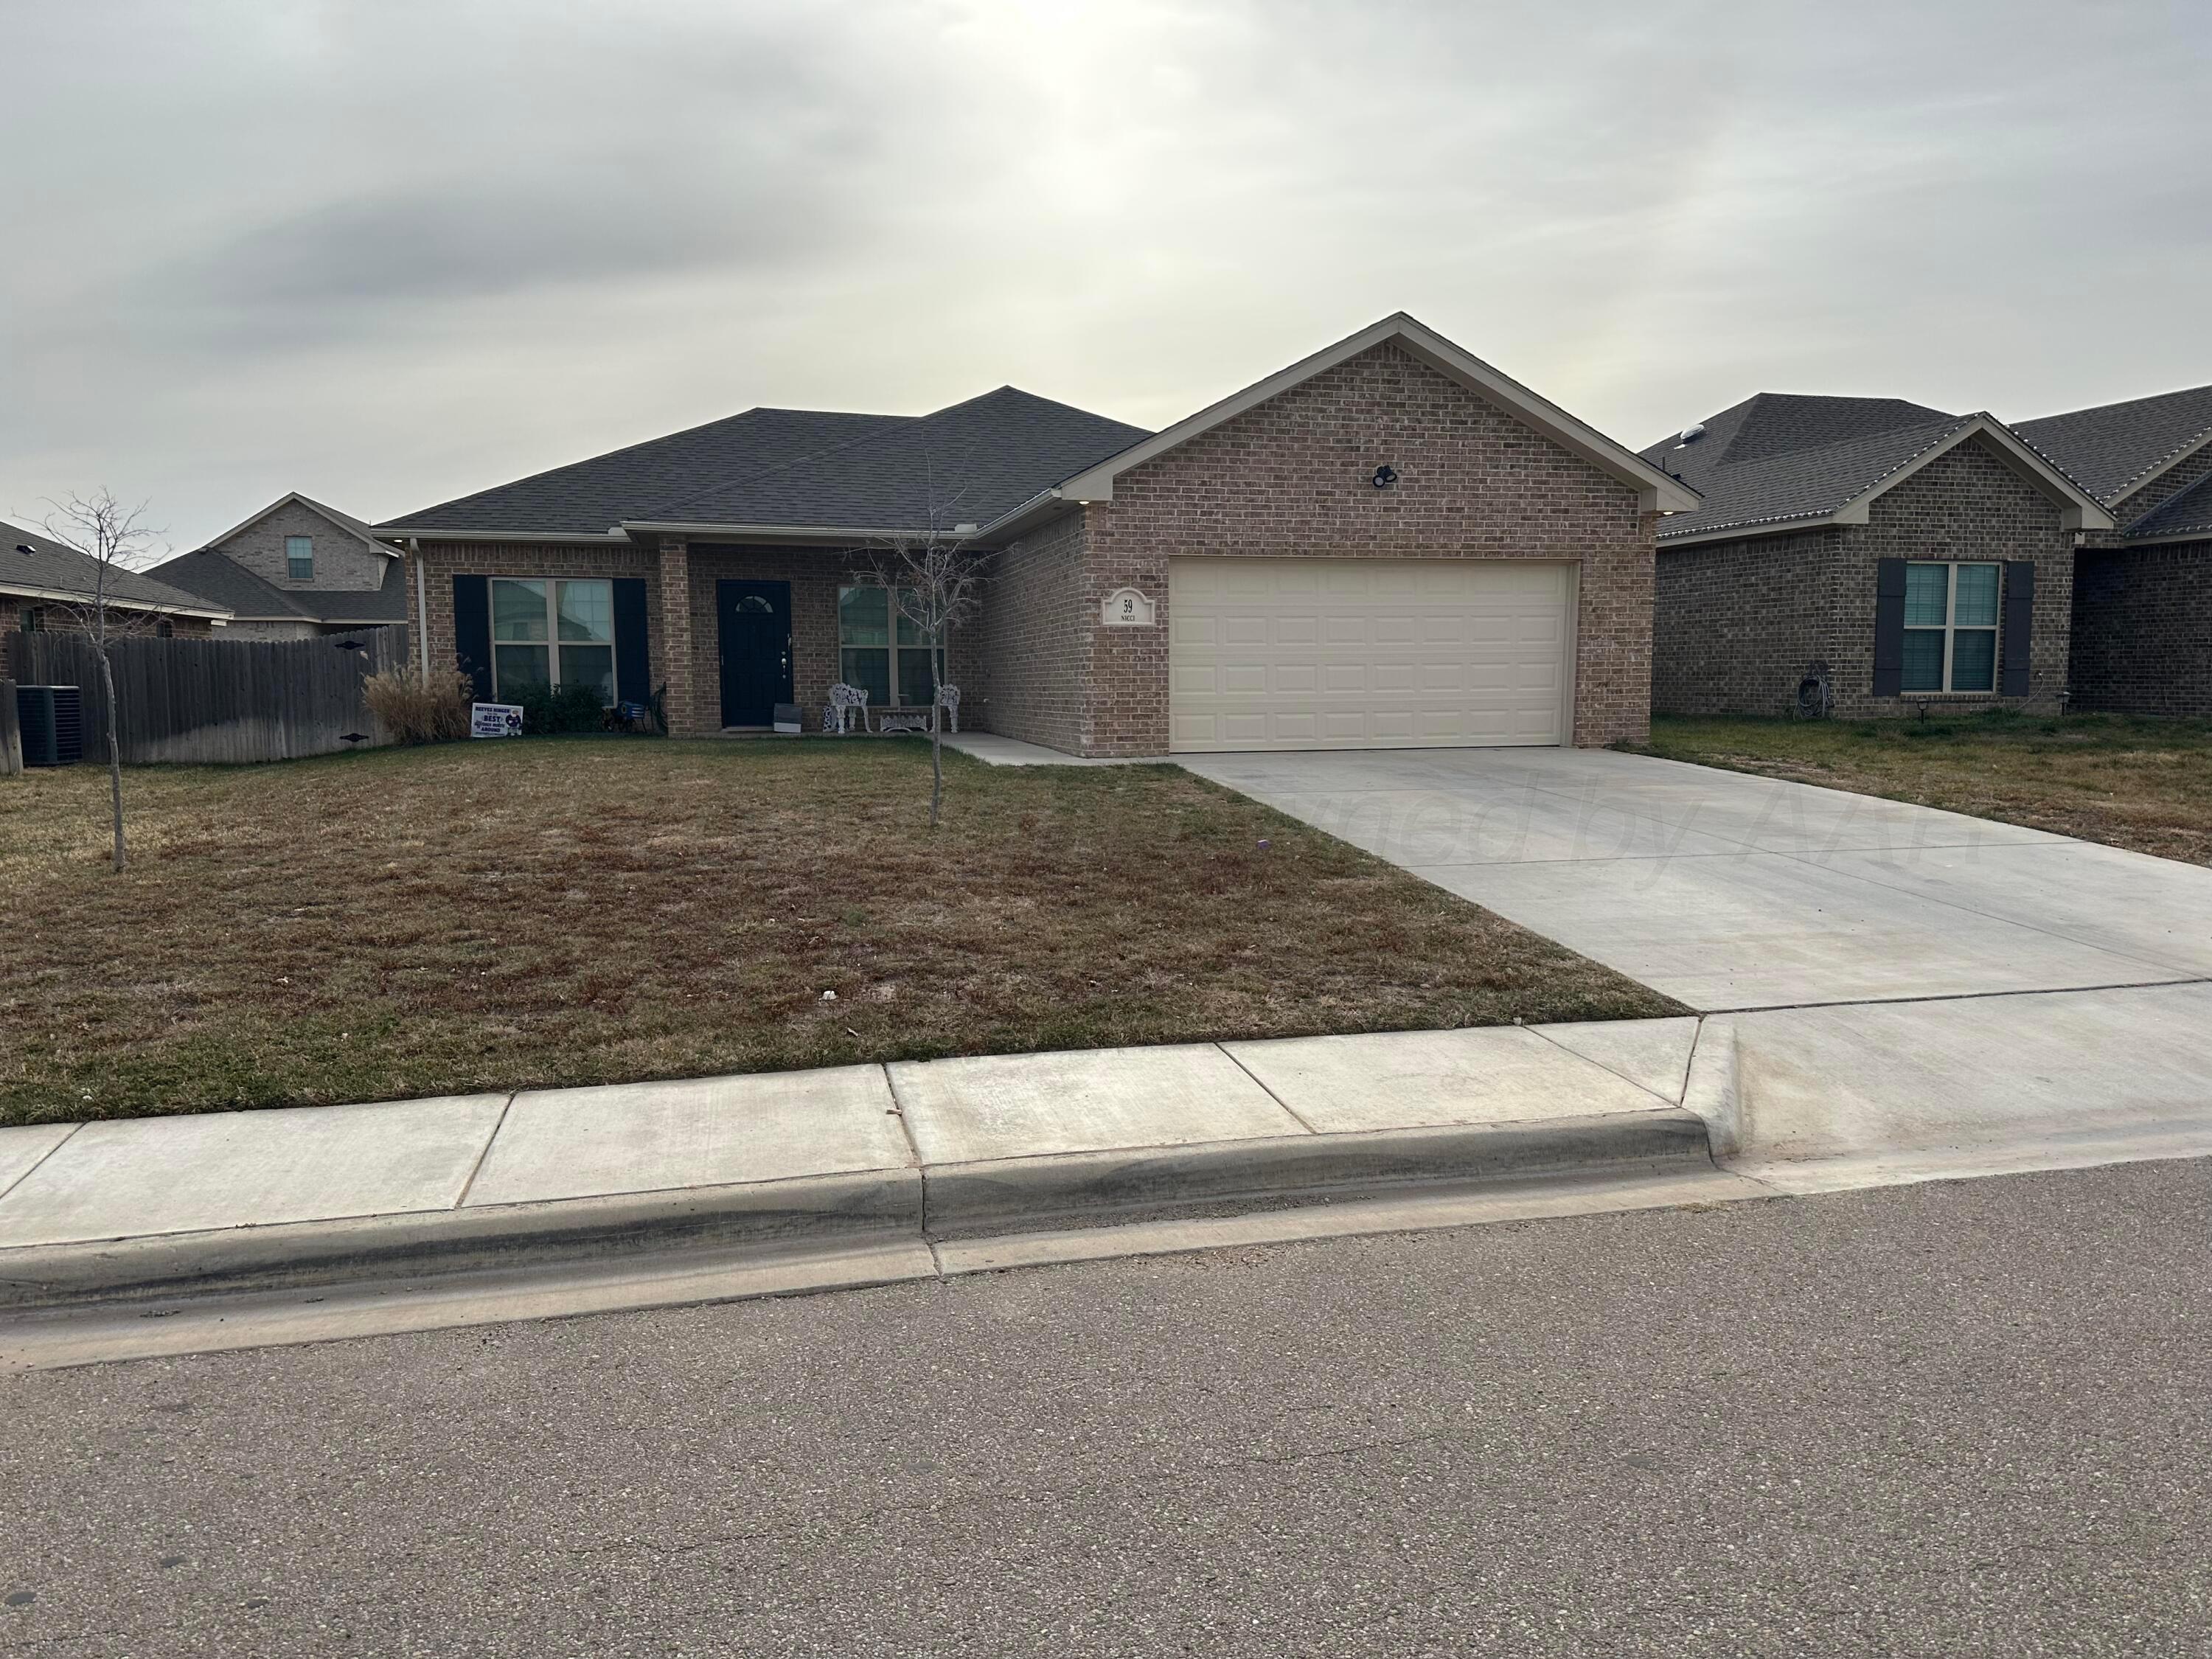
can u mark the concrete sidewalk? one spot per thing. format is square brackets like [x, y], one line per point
[922, 1152]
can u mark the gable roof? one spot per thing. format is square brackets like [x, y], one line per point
[218, 579]
[2184, 517]
[1781, 461]
[1657, 490]
[344, 521]
[797, 473]
[2115, 449]
[972, 463]
[51, 571]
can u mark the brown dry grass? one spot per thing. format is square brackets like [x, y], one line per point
[2142, 784]
[561, 911]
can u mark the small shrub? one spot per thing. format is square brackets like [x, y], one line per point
[551, 708]
[417, 709]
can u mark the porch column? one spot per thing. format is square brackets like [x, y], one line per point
[678, 661]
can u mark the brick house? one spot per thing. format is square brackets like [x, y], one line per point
[294, 570]
[2143, 590]
[1897, 555]
[46, 586]
[1387, 544]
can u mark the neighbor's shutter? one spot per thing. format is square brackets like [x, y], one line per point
[2015, 650]
[1888, 627]
[472, 631]
[632, 672]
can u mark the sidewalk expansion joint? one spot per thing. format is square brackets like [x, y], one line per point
[484, 1151]
[74, 1129]
[1289, 1110]
[1958, 996]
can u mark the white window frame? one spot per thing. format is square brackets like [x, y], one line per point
[292, 558]
[1952, 628]
[891, 637]
[611, 645]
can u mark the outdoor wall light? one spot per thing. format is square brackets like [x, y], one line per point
[1385, 476]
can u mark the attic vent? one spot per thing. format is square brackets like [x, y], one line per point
[1691, 434]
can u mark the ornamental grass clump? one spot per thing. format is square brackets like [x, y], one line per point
[417, 708]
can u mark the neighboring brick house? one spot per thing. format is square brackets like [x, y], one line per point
[1387, 544]
[293, 570]
[2143, 590]
[45, 586]
[1899, 556]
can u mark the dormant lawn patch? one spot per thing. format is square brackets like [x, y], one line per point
[564, 911]
[2145, 785]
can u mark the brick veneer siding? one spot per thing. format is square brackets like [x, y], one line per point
[2142, 630]
[342, 560]
[1738, 623]
[57, 617]
[1035, 639]
[684, 648]
[1291, 478]
[2159, 490]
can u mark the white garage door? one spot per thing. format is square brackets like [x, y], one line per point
[1366, 654]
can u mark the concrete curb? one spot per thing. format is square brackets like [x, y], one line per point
[1019, 1194]
[942, 1202]
[769, 1214]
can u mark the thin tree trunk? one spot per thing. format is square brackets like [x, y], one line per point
[114, 756]
[936, 764]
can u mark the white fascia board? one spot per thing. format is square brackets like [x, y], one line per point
[1656, 490]
[602, 539]
[78, 596]
[832, 535]
[1749, 531]
[2078, 509]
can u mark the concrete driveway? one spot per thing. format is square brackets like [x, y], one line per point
[1729, 891]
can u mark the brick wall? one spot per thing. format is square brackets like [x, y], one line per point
[1714, 653]
[2142, 630]
[692, 671]
[342, 560]
[1291, 477]
[1736, 623]
[58, 618]
[1034, 638]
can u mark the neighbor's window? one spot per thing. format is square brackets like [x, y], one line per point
[165, 629]
[300, 558]
[34, 619]
[552, 633]
[869, 658]
[1950, 628]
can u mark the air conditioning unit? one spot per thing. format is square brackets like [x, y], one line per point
[53, 720]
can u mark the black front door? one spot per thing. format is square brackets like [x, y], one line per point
[756, 624]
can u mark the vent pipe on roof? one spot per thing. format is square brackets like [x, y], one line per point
[1691, 434]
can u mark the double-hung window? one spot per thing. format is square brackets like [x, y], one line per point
[300, 558]
[552, 633]
[1950, 627]
[879, 647]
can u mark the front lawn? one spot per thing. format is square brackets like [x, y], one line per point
[559, 911]
[2142, 784]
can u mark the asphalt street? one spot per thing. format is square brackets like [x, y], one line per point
[1964, 1418]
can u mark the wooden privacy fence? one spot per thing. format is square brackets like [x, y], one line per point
[219, 700]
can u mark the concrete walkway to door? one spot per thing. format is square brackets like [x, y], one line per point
[1890, 993]
[1730, 891]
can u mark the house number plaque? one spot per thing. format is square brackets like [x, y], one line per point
[1125, 607]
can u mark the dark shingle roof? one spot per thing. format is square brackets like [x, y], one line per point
[2189, 514]
[53, 568]
[2114, 447]
[806, 469]
[1777, 458]
[221, 580]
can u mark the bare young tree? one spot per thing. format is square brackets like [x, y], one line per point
[936, 579]
[116, 539]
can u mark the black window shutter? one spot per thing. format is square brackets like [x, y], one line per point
[2016, 649]
[472, 631]
[633, 673]
[1888, 627]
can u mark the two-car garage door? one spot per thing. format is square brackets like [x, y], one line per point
[1366, 654]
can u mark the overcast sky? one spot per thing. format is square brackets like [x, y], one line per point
[387, 253]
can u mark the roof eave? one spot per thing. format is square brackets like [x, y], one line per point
[432, 533]
[1657, 491]
[78, 596]
[1746, 530]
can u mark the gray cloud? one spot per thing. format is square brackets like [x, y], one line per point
[388, 251]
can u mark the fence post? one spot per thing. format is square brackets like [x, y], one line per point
[11, 739]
